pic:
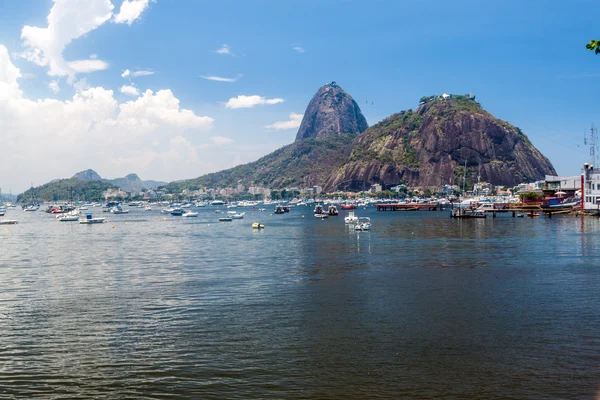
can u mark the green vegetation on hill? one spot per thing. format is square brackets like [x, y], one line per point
[65, 189]
[302, 163]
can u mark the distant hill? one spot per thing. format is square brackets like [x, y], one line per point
[129, 183]
[66, 189]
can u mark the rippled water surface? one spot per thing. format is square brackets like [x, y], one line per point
[420, 307]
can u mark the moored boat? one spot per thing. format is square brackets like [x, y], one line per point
[90, 220]
[8, 222]
[190, 214]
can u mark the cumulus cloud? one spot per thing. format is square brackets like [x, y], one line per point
[225, 50]
[125, 73]
[130, 11]
[54, 86]
[222, 79]
[150, 134]
[298, 49]
[69, 20]
[294, 122]
[129, 90]
[250, 101]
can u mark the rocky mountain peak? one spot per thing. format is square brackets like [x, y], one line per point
[87, 175]
[331, 111]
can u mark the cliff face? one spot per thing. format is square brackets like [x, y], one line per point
[331, 111]
[429, 147]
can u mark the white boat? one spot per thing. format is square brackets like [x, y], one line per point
[67, 218]
[225, 219]
[217, 203]
[237, 216]
[189, 213]
[364, 224]
[8, 221]
[351, 218]
[201, 204]
[119, 210]
[147, 208]
[83, 208]
[89, 220]
[321, 216]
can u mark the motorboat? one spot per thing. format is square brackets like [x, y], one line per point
[177, 212]
[364, 224]
[278, 210]
[67, 218]
[217, 203]
[237, 215]
[118, 210]
[319, 210]
[189, 213]
[348, 206]
[8, 222]
[351, 218]
[262, 209]
[147, 208]
[225, 219]
[258, 225]
[332, 211]
[90, 220]
[201, 204]
[321, 216]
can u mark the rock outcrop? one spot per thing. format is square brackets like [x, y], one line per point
[430, 147]
[331, 111]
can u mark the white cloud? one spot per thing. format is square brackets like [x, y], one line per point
[294, 122]
[142, 73]
[298, 49]
[250, 101]
[129, 90]
[130, 11]
[125, 73]
[54, 86]
[225, 50]
[50, 138]
[67, 21]
[86, 66]
[222, 79]
[26, 75]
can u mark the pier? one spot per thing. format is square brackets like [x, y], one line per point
[407, 207]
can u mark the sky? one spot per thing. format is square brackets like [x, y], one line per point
[174, 89]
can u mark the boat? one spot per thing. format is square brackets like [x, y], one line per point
[262, 209]
[176, 212]
[147, 208]
[201, 204]
[348, 206]
[189, 213]
[67, 218]
[278, 210]
[364, 224]
[90, 220]
[351, 218]
[118, 210]
[217, 203]
[462, 213]
[258, 225]
[8, 222]
[318, 210]
[237, 215]
[225, 219]
[321, 216]
[332, 211]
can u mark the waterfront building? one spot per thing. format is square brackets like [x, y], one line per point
[569, 185]
[590, 188]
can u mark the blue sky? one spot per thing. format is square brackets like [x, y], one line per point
[525, 61]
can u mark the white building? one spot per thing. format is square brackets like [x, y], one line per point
[590, 191]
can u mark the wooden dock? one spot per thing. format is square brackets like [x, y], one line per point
[407, 207]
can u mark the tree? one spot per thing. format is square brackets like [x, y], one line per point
[593, 45]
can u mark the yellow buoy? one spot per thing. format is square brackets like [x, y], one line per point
[165, 218]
